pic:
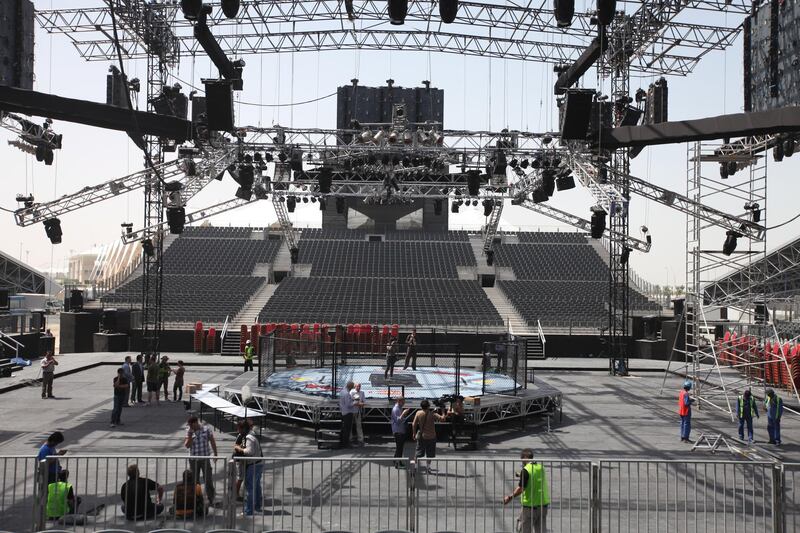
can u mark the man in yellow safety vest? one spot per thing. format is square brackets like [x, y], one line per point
[535, 495]
[249, 353]
[60, 497]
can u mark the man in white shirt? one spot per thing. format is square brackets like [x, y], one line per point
[348, 410]
[48, 364]
[358, 403]
[251, 450]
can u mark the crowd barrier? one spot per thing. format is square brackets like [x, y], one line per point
[464, 495]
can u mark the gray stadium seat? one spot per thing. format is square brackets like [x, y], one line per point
[113, 531]
[225, 531]
[279, 531]
[169, 530]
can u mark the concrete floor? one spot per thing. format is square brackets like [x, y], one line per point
[604, 418]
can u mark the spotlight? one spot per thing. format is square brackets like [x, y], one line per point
[473, 182]
[598, 222]
[488, 206]
[128, 227]
[789, 146]
[291, 202]
[755, 210]
[525, 163]
[474, 203]
[646, 233]
[536, 163]
[230, 8]
[398, 9]
[305, 199]
[340, 205]
[176, 218]
[408, 137]
[623, 257]
[777, 152]
[191, 8]
[732, 168]
[268, 157]
[27, 201]
[605, 11]
[392, 138]
[52, 227]
[730, 242]
[379, 136]
[148, 248]
[547, 139]
[513, 163]
[448, 9]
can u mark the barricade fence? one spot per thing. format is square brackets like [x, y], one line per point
[365, 495]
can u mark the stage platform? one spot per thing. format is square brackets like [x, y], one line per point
[292, 405]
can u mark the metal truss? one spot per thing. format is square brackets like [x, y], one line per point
[18, 277]
[490, 229]
[777, 274]
[207, 169]
[704, 262]
[580, 223]
[286, 225]
[606, 194]
[662, 44]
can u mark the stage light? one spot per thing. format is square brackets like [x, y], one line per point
[27, 201]
[474, 203]
[623, 257]
[777, 152]
[437, 207]
[291, 202]
[448, 9]
[547, 139]
[148, 248]
[52, 228]
[379, 136]
[408, 137]
[127, 227]
[536, 163]
[268, 157]
[398, 9]
[176, 218]
[755, 211]
[454, 206]
[723, 170]
[473, 182]
[260, 191]
[424, 138]
[513, 163]
[392, 138]
[436, 138]
[230, 8]
[733, 167]
[598, 222]
[191, 8]
[525, 163]
[340, 205]
[305, 199]
[789, 146]
[646, 232]
[730, 242]
[488, 207]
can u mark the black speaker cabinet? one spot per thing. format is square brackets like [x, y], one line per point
[76, 331]
[76, 300]
[110, 342]
[577, 109]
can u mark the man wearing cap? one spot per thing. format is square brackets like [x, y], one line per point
[249, 353]
[747, 409]
[685, 410]
[774, 407]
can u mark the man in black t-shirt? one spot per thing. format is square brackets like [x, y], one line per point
[135, 494]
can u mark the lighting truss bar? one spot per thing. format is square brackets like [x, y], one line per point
[93, 114]
[150, 24]
[755, 123]
[285, 224]
[195, 216]
[580, 223]
[206, 170]
[484, 29]
[606, 194]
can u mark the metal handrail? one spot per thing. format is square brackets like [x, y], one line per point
[224, 329]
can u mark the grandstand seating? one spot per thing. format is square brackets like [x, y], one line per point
[561, 280]
[403, 235]
[207, 274]
[381, 301]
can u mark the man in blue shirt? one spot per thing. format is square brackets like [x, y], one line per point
[48, 449]
[399, 418]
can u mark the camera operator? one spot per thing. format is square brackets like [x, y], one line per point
[423, 431]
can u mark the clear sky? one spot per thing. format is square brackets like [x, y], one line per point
[521, 98]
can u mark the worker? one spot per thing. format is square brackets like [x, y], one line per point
[61, 497]
[685, 402]
[535, 495]
[747, 409]
[774, 407]
[249, 353]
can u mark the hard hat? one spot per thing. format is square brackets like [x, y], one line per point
[248, 342]
[687, 384]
